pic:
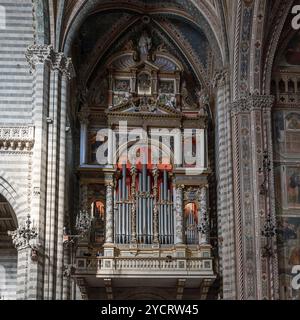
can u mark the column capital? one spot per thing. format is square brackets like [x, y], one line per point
[83, 116]
[40, 54]
[221, 77]
[109, 180]
[252, 103]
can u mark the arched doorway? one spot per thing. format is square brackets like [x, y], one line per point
[8, 253]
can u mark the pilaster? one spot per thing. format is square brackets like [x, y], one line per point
[224, 176]
[254, 197]
[51, 71]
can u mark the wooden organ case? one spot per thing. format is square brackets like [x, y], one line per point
[154, 179]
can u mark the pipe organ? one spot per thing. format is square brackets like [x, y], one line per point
[148, 163]
[191, 223]
[143, 205]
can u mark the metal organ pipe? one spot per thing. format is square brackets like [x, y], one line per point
[116, 236]
[165, 181]
[155, 206]
[126, 212]
[123, 204]
[119, 212]
[144, 203]
[169, 218]
[139, 213]
[149, 211]
[161, 215]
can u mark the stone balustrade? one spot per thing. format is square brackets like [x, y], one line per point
[149, 266]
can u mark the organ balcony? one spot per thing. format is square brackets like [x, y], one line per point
[154, 228]
[146, 267]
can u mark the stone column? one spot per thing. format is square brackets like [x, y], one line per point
[179, 215]
[25, 239]
[83, 118]
[68, 270]
[224, 176]
[109, 221]
[51, 72]
[203, 217]
[66, 72]
[254, 197]
[40, 59]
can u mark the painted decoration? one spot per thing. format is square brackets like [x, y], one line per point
[293, 187]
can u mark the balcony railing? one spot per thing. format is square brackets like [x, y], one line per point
[119, 266]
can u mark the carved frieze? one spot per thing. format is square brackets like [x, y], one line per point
[16, 138]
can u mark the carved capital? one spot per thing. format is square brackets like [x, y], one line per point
[109, 180]
[221, 77]
[40, 54]
[83, 116]
[251, 103]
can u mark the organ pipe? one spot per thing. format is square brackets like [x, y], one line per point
[165, 205]
[155, 206]
[145, 207]
[133, 205]
[120, 212]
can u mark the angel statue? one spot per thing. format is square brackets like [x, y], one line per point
[145, 44]
[203, 102]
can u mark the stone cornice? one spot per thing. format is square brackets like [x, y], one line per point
[39, 54]
[17, 138]
[252, 103]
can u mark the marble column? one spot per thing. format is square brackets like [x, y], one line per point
[253, 197]
[179, 214]
[224, 178]
[25, 239]
[203, 217]
[109, 221]
[83, 118]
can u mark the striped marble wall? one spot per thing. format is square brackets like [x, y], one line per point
[15, 79]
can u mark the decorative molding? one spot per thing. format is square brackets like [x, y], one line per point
[83, 222]
[251, 103]
[40, 54]
[109, 214]
[203, 226]
[16, 138]
[179, 214]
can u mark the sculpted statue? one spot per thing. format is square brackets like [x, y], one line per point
[203, 102]
[145, 44]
